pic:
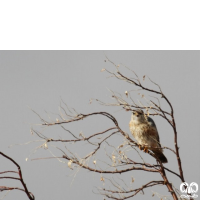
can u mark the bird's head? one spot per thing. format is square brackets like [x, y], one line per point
[138, 116]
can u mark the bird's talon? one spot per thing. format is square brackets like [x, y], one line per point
[146, 149]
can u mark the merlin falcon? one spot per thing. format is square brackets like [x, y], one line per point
[145, 132]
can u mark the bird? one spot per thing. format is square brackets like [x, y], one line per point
[144, 130]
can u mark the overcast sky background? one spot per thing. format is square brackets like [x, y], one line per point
[39, 79]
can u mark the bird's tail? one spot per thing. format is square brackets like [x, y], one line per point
[161, 156]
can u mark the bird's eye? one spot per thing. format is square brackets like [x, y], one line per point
[136, 114]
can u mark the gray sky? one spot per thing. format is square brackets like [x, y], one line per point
[39, 79]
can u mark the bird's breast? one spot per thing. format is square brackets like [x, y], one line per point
[140, 132]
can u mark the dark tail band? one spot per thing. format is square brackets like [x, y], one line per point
[161, 156]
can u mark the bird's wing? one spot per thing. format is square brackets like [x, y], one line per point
[153, 125]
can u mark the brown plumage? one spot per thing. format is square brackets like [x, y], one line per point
[145, 132]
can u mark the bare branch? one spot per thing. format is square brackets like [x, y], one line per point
[29, 194]
[117, 155]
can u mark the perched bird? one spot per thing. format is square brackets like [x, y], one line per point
[145, 132]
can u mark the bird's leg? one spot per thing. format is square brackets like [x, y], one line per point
[145, 149]
[140, 147]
